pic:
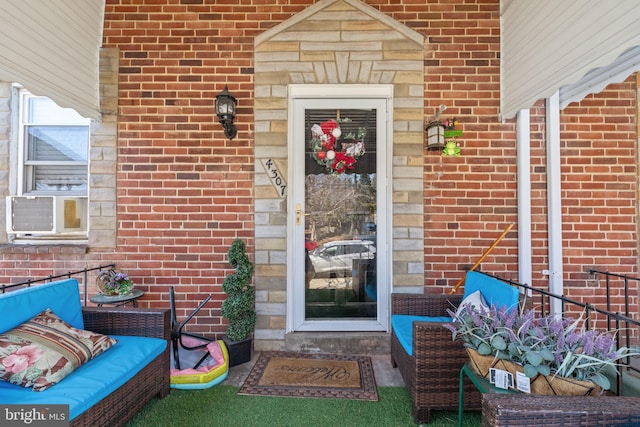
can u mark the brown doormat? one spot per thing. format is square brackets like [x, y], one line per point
[341, 376]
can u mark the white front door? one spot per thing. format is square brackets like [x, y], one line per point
[339, 207]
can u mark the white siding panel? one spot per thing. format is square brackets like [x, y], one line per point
[598, 78]
[547, 44]
[52, 48]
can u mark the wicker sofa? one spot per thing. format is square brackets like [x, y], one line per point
[111, 388]
[431, 371]
[500, 410]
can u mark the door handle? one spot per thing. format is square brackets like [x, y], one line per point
[299, 213]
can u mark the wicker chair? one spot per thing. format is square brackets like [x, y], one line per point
[431, 373]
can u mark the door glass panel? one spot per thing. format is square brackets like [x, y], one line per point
[340, 214]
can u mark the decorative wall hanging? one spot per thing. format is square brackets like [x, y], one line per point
[451, 147]
[334, 150]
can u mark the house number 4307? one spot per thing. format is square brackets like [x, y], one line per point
[277, 180]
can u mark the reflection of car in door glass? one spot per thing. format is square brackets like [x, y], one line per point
[338, 256]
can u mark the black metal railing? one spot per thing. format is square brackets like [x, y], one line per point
[622, 326]
[80, 274]
[625, 294]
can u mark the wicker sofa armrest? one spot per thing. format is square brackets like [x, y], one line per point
[153, 380]
[424, 304]
[431, 372]
[146, 322]
[432, 333]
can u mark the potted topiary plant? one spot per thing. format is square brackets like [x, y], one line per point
[239, 307]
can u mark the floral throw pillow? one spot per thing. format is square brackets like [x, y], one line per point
[45, 349]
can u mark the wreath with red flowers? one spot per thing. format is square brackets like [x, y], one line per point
[331, 149]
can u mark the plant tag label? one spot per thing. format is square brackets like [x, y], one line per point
[523, 382]
[500, 378]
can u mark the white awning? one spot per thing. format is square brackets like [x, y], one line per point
[52, 48]
[577, 47]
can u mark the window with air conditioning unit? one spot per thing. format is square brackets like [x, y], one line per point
[50, 198]
[46, 215]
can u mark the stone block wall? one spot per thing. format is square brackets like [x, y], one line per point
[336, 43]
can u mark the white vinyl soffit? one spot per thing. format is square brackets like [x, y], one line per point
[52, 48]
[575, 47]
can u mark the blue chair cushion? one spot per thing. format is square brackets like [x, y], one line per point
[495, 292]
[402, 325]
[62, 297]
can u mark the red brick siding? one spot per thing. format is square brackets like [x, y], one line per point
[184, 191]
[471, 199]
[599, 192]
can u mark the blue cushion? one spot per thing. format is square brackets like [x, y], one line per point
[62, 297]
[495, 292]
[94, 380]
[402, 325]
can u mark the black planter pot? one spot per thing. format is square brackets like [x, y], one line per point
[239, 351]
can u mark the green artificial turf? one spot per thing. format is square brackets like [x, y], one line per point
[221, 406]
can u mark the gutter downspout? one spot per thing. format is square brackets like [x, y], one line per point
[554, 202]
[523, 150]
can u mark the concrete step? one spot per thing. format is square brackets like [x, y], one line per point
[339, 342]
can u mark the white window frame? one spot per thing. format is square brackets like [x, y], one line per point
[19, 104]
[73, 119]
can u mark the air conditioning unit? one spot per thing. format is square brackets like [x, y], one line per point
[41, 215]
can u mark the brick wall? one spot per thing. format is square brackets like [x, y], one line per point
[471, 199]
[184, 191]
[599, 167]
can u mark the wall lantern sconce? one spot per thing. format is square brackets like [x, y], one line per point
[435, 135]
[435, 130]
[226, 111]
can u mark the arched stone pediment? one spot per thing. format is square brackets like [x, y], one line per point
[339, 41]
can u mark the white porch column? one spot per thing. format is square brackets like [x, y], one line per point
[554, 202]
[523, 148]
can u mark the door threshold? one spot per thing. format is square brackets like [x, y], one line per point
[339, 342]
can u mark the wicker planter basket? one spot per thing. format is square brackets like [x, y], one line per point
[101, 285]
[540, 384]
[481, 364]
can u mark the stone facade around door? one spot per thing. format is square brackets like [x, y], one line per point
[335, 42]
